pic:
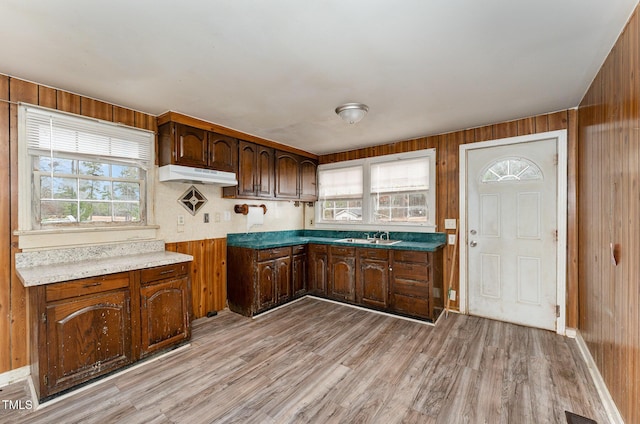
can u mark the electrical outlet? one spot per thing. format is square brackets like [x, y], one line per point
[180, 219]
[217, 217]
[452, 295]
[449, 224]
[227, 216]
[452, 239]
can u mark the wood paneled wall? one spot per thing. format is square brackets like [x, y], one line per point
[609, 207]
[447, 191]
[208, 273]
[13, 304]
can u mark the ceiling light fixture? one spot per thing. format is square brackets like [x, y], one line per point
[352, 112]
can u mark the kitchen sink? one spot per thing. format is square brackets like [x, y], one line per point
[369, 241]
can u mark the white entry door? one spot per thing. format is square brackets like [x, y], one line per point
[512, 232]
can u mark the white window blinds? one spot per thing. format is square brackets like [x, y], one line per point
[400, 175]
[341, 183]
[48, 131]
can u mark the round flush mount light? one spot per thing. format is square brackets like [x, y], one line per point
[352, 112]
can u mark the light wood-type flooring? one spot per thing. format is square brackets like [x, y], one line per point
[318, 362]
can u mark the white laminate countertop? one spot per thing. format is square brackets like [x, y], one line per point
[64, 271]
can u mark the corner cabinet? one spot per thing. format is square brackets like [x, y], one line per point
[295, 177]
[86, 328]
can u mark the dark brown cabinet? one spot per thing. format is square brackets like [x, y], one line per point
[256, 173]
[82, 330]
[85, 328]
[416, 283]
[164, 307]
[372, 277]
[317, 268]
[223, 152]
[298, 270]
[258, 279]
[295, 177]
[342, 273]
[184, 145]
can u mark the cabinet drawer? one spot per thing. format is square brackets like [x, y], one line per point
[410, 288]
[381, 254]
[411, 256]
[276, 252]
[297, 250]
[343, 251]
[162, 272]
[411, 305]
[86, 286]
[411, 271]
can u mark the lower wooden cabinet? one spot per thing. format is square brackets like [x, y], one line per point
[398, 281]
[85, 328]
[164, 308]
[342, 273]
[372, 277]
[317, 268]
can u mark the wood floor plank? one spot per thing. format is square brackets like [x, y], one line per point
[319, 362]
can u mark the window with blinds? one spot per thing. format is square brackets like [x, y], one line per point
[85, 172]
[385, 190]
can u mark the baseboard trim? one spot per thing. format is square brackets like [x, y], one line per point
[14, 376]
[570, 332]
[607, 401]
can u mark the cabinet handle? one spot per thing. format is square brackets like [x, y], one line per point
[390, 268]
[86, 286]
[169, 271]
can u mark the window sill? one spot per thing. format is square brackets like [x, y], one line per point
[409, 228]
[69, 237]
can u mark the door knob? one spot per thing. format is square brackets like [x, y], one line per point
[473, 243]
[473, 232]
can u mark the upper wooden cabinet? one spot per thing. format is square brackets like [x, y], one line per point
[295, 177]
[184, 145]
[223, 152]
[255, 172]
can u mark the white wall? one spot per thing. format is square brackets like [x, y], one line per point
[281, 215]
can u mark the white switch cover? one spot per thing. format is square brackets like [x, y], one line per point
[449, 224]
[452, 295]
[227, 216]
[452, 239]
[217, 217]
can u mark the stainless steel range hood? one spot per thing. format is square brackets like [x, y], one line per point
[187, 174]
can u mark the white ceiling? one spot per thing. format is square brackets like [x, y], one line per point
[278, 69]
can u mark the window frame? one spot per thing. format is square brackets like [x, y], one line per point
[367, 222]
[33, 235]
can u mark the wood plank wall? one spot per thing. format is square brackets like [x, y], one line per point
[13, 304]
[447, 191]
[609, 213]
[208, 273]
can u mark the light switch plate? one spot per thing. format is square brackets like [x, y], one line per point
[450, 224]
[452, 239]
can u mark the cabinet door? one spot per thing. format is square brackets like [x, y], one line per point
[266, 286]
[223, 152]
[265, 174]
[283, 279]
[287, 175]
[308, 177]
[247, 156]
[342, 273]
[373, 277]
[318, 269]
[164, 313]
[191, 146]
[87, 337]
[299, 274]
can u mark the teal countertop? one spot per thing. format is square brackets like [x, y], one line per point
[428, 242]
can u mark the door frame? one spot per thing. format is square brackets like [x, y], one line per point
[562, 179]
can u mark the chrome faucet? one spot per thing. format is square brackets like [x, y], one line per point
[382, 235]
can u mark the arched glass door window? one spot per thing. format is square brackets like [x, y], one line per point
[511, 169]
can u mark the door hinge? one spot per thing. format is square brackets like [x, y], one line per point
[46, 380]
[44, 317]
[555, 235]
[557, 311]
[555, 159]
